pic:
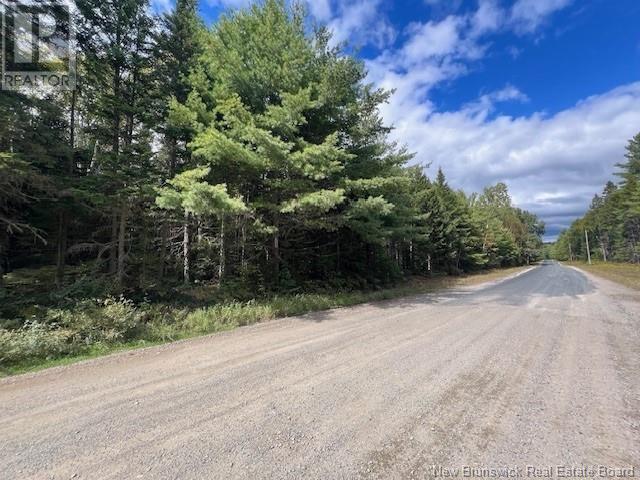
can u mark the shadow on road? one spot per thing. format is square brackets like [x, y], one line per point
[549, 280]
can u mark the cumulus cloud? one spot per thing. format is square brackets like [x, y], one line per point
[320, 9]
[432, 39]
[432, 53]
[523, 17]
[488, 18]
[485, 105]
[552, 164]
[361, 22]
[527, 15]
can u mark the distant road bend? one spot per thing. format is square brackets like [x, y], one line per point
[538, 370]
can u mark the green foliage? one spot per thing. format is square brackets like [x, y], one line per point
[110, 320]
[34, 340]
[193, 195]
[315, 202]
[367, 218]
[61, 331]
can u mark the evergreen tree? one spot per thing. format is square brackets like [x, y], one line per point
[613, 218]
[252, 153]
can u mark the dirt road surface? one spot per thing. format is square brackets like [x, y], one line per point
[536, 371]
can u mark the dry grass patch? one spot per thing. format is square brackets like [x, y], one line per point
[623, 273]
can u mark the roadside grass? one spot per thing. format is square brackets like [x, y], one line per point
[626, 274]
[97, 329]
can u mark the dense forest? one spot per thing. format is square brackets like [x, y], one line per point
[248, 157]
[611, 227]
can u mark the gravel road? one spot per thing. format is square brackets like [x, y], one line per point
[539, 370]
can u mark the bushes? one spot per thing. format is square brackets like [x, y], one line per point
[105, 321]
[101, 325]
[112, 322]
[34, 340]
[60, 332]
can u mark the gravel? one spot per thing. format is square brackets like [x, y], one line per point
[538, 370]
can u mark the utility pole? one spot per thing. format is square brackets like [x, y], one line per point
[586, 236]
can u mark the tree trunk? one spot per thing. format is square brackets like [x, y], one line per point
[186, 250]
[72, 125]
[115, 140]
[122, 244]
[221, 266]
[145, 241]
[338, 254]
[113, 249]
[412, 260]
[276, 258]
[1, 261]
[63, 217]
[63, 223]
[242, 249]
[173, 156]
[164, 234]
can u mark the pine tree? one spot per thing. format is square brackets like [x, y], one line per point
[190, 194]
[117, 50]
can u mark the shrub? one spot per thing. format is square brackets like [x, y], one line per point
[94, 321]
[34, 340]
[60, 332]
[83, 288]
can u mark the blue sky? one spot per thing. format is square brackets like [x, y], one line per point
[540, 94]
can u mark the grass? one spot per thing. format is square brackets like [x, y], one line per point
[148, 327]
[95, 351]
[626, 274]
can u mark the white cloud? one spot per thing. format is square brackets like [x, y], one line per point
[528, 15]
[552, 164]
[433, 53]
[488, 18]
[508, 93]
[485, 105]
[523, 17]
[432, 40]
[360, 22]
[320, 9]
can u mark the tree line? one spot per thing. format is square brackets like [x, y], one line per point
[611, 227]
[250, 153]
